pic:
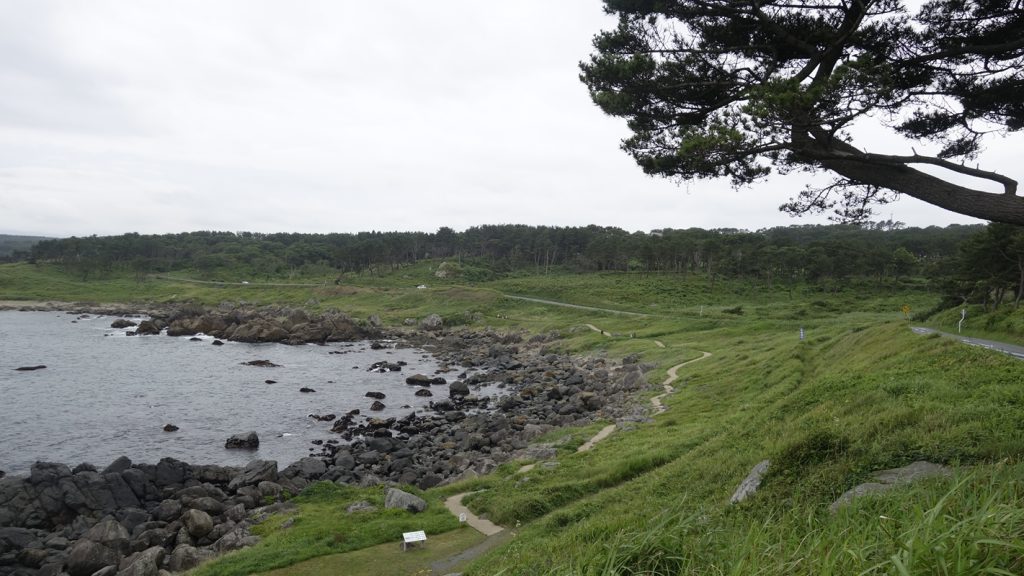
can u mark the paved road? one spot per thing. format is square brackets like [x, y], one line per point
[1011, 349]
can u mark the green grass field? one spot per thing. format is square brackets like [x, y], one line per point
[859, 394]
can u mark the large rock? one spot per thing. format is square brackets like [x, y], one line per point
[109, 533]
[145, 563]
[432, 322]
[87, 557]
[32, 557]
[888, 479]
[185, 557]
[44, 473]
[255, 472]
[12, 538]
[236, 539]
[197, 522]
[419, 380]
[395, 498]
[750, 483]
[171, 472]
[207, 504]
[148, 327]
[120, 465]
[168, 511]
[308, 467]
[152, 537]
[458, 388]
[246, 440]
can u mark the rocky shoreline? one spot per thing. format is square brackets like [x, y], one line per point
[135, 518]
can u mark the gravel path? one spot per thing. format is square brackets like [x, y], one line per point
[481, 525]
[577, 306]
[672, 377]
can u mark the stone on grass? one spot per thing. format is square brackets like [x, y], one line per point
[888, 479]
[749, 486]
[395, 498]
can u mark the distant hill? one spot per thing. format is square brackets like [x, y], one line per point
[9, 244]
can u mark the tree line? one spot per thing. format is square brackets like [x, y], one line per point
[793, 254]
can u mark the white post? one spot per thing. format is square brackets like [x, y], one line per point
[963, 316]
[702, 311]
[801, 332]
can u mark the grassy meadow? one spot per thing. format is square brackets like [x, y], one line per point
[860, 393]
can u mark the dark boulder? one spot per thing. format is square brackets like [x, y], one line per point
[149, 327]
[379, 444]
[423, 392]
[185, 557]
[167, 510]
[197, 522]
[170, 428]
[212, 473]
[369, 458]
[344, 460]
[87, 557]
[152, 537]
[144, 563]
[207, 504]
[83, 467]
[47, 473]
[377, 406]
[377, 395]
[16, 538]
[236, 539]
[255, 472]
[109, 533]
[121, 464]
[384, 366]
[30, 368]
[171, 472]
[122, 323]
[418, 380]
[306, 390]
[247, 440]
[458, 388]
[261, 363]
[308, 467]
[32, 557]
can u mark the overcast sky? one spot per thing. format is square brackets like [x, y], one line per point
[342, 116]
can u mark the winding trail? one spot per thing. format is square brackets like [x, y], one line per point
[673, 375]
[481, 525]
[604, 433]
[576, 306]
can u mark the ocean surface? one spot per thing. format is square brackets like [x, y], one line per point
[104, 394]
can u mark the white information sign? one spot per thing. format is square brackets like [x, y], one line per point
[413, 537]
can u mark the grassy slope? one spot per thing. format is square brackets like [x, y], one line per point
[861, 393]
[827, 412]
